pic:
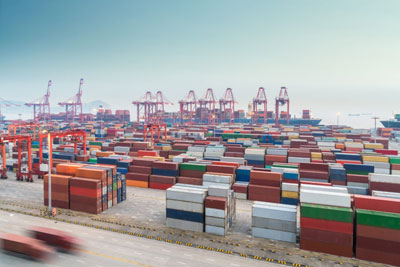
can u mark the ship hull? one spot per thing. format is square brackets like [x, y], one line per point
[294, 122]
[391, 124]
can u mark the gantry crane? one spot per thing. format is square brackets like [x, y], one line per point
[145, 104]
[42, 105]
[282, 99]
[159, 113]
[73, 105]
[74, 136]
[24, 169]
[227, 106]
[261, 99]
[207, 107]
[188, 107]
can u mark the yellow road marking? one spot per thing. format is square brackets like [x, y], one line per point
[114, 258]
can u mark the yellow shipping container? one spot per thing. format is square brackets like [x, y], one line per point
[150, 157]
[290, 194]
[375, 159]
[316, 155]
[374, 146]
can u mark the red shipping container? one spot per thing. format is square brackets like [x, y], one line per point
[378, 233]
[192, 173]
[379, 245]
[322, 167]
[389, 187]
[143, 162]
[275, 158]
[377, 203]
[189, 180]
[326, 248]
[216, 202]
[221, 169]
[137, 176]
[166, 165]
[313, 174]
[325, 225]
[160, 186]
[240, 188]
[356, 178]
[224, 163]
[162, 179]
[140, 169]
[142, 153]
[264, 193]
[337, 238]
[377, 256]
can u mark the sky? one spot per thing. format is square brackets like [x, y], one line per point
[333, 56]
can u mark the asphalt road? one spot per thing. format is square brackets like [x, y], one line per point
[103, 248]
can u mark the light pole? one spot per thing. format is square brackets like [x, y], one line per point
[375, 118]
[50, 156]
[337, 118]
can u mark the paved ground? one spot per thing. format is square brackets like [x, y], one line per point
[144, 212]
[102, 248]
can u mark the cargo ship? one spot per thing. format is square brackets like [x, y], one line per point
[392, 123]
[240, 116]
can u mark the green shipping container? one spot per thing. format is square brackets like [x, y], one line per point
[193, 167]
[95, 143]
[378, 219]
[326, 213]
[93, 160]
[394, 160]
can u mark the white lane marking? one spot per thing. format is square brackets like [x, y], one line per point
[181, 263]
[138, 253]
[102, 237]
[145, 246]
[164, 250]
[187, 255]
[81, 261]
[210, 259]
[233, 264]
[114, 240]
[160, 259]
[98, 265]
[3, 220]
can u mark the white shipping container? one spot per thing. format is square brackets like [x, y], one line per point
[325, 198]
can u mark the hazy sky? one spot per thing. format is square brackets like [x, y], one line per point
[332, 55]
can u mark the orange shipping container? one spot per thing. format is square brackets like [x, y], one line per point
[137, 183]
[101, 154]
[91, 173]
[57, 179]
[69, 168]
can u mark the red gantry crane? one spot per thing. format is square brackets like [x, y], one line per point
[282, 99]
[159, 115]
[188, 107]
[24, 167]
[73, 105]
[227, 106]
[145, 106]
[261, 99]
[41, 106]
[207, 107]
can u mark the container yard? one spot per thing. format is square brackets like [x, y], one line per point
[199, 133]
[281, 193]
